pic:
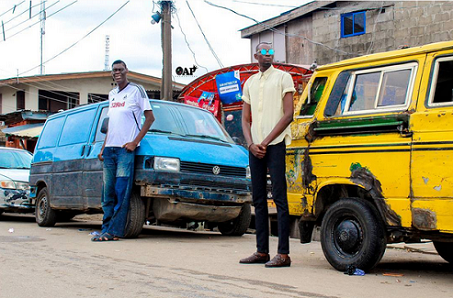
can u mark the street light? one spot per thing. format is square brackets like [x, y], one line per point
[155, 18]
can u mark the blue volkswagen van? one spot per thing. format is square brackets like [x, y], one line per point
[188, 170]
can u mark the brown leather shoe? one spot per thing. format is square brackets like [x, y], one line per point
[279, 261]
[256, 258]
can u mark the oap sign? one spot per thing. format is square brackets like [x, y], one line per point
[184, 71]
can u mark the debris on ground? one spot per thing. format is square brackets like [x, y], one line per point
[393, 274]
[352, 270]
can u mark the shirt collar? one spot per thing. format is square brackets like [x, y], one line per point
[266, 73]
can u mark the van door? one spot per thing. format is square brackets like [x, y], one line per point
[300, 180]
[93, 168]
[362, 138]
[71, 150]
[432, 156]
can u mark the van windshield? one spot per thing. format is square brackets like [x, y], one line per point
[187, 121]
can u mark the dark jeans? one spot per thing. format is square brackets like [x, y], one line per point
[118, 181]
[275, 161]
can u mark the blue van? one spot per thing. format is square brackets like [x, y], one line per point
[188, 169]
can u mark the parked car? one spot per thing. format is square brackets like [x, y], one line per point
[372, 156]
[14, 187]
[188, 170]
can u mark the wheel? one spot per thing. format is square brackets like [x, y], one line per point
[445, 250]
[135, 216]
[45, 216]
[352, 234]
[239, 225]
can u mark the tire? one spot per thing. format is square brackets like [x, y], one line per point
[45, 216]
[135, 216]
[445, 250]
[239, 225]
[352, 234]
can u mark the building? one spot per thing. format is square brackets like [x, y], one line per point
[330, 31]
[25, 102]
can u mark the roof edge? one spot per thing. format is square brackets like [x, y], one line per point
[284, 17]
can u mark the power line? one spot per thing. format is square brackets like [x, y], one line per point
[74, 44]
[264, 4]
[205, 38]
[12, 8]
[278, 31]
[39, 12]
[40, 20]
[187, 42]
[15, 17]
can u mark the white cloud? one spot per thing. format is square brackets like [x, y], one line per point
[132, 37]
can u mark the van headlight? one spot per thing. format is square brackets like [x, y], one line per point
[248, 174]
[166, 164]
[10, 184]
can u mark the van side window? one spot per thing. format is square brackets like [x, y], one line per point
[99, 135]
[384, 89]
[315, 93]
[77, 128]
[49, 135]
[441, 91]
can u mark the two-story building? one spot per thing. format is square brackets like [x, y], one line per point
[330, 31]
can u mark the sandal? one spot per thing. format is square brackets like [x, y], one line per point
[105, 237]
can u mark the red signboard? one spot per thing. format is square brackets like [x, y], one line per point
[204, 104]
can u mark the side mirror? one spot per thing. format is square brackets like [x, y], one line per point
[105, 125]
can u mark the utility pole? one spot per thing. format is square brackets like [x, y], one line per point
[43, 31]
[107, 53]
[166, 90]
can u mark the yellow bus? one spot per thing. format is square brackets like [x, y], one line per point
[371, 161]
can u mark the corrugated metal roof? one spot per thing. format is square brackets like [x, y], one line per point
[25, 131]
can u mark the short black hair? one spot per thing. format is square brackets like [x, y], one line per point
[261, 43]
[119, 62]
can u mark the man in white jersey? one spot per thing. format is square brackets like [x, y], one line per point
[127, 103]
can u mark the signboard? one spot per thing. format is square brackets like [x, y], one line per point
[211, 106]
[229, 87]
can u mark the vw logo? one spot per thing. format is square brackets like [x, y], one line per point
[216, 170]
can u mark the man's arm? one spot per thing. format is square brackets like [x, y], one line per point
[100, 157]
[149, 119]
[288, 110]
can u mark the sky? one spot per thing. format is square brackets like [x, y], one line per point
[74, 39]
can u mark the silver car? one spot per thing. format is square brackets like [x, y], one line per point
[14, 187]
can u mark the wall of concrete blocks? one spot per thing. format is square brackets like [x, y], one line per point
[389, 26]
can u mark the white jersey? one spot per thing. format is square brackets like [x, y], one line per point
[125, 113]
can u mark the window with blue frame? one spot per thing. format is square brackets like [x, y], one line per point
[353, 24]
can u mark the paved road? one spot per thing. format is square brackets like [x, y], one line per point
[63, 262]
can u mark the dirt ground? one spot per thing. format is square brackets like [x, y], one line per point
[62, 262]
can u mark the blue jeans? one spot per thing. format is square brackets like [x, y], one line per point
[118, 181]
[274, 160]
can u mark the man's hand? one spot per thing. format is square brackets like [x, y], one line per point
[130, 147]
[258, 150]
[100, 157]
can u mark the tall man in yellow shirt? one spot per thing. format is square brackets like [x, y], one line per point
[268, 101]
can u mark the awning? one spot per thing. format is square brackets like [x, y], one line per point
[24, 131]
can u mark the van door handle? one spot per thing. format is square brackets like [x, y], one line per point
[89, 149]
[83, 150]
